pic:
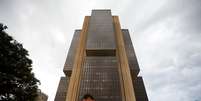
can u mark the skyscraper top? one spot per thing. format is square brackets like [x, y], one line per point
[101, 31]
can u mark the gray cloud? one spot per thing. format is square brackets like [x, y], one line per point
[171, 51]
[166, 36]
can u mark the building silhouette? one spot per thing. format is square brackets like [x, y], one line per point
[101, 61]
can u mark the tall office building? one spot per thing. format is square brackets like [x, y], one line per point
[101, 61]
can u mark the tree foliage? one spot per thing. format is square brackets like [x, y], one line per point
[17, 81]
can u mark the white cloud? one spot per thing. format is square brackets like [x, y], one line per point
[166, 36]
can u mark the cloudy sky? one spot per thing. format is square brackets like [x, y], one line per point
[166, 35]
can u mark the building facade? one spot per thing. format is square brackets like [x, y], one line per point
[101, 61]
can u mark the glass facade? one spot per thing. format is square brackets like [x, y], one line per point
[100, 71]
[100, 78]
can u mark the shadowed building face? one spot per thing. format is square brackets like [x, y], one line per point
[102, 62]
